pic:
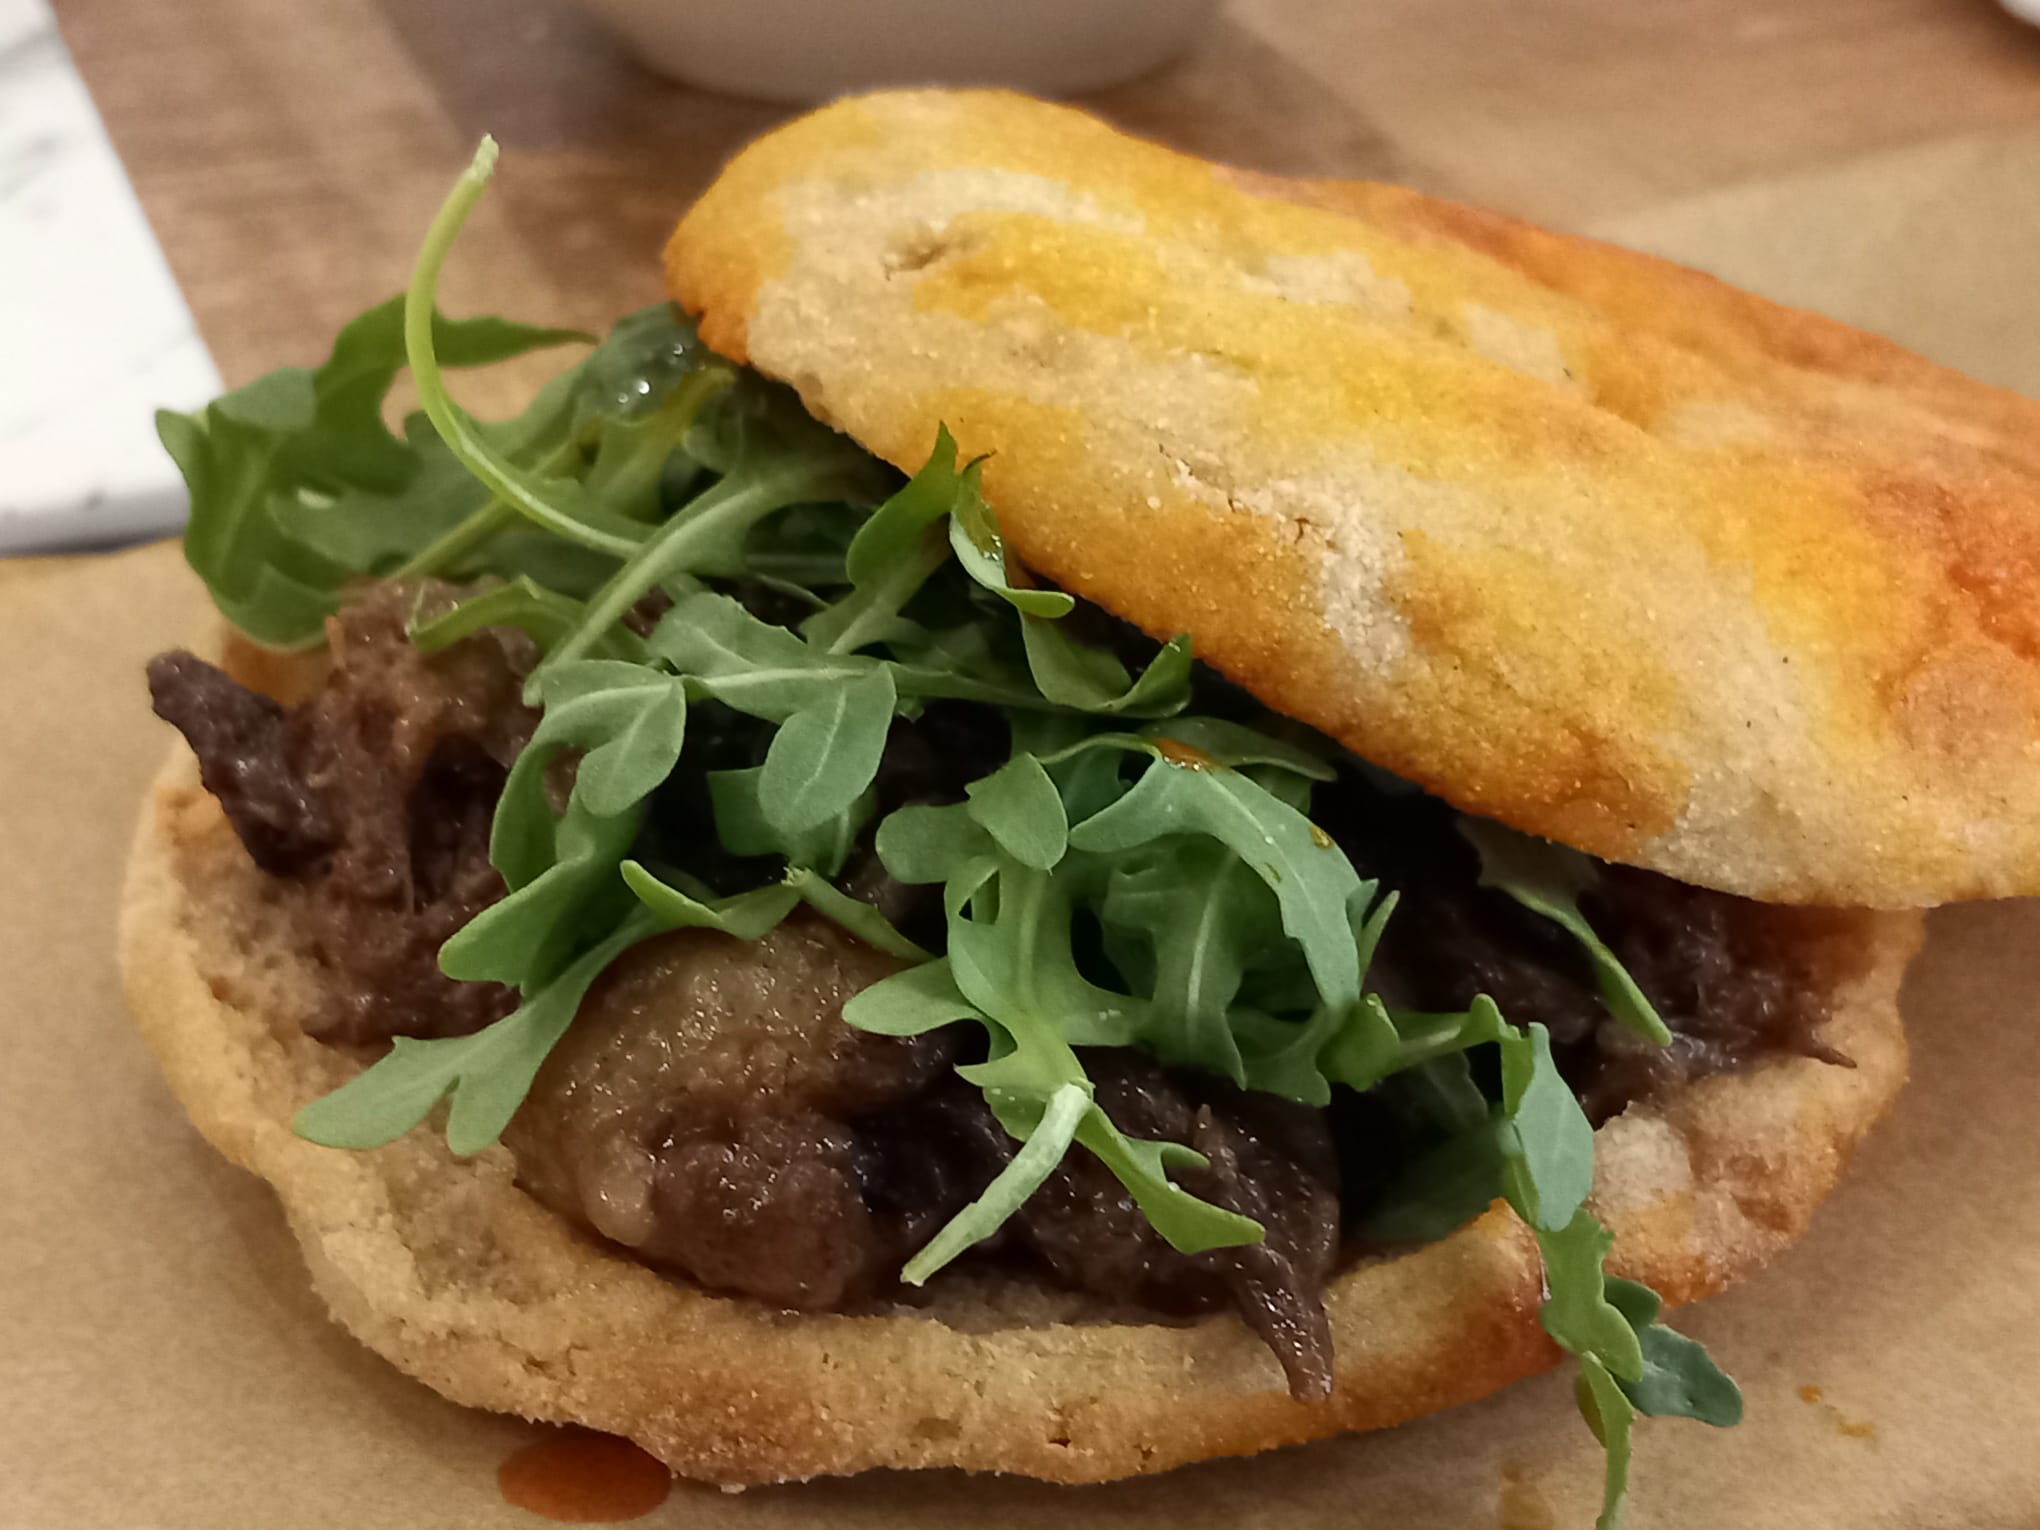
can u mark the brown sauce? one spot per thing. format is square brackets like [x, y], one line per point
[1185, 756]
[579, 1477]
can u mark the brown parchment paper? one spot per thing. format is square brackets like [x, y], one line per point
[163, 1362]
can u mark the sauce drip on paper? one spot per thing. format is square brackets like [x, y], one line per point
[1522, 1504]
[1852, 1428]
[579, 1477]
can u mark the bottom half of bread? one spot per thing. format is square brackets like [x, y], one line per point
[448, 1269]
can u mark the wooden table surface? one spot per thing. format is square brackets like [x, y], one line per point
[290, 154]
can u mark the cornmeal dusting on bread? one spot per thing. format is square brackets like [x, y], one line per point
[1767, 586]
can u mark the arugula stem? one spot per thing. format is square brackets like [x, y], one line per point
[731, 505]
[475, 531]
[628, 477]
[454, 427]
[447, 549]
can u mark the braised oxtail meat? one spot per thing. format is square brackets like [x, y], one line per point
[1730, 978]
[242, 740]
[710, 1111]
[927, 760]
[377, 792]
[703, 1112]
[1723, 972]
[1267, 1158]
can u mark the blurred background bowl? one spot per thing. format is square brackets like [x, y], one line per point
[809, 50]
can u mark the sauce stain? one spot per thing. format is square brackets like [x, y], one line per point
[1846, 1427]
[1188, 756]
[579, 1477]
[1522, 1505]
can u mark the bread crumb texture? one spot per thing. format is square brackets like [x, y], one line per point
[1575, 538]
[446, 1268]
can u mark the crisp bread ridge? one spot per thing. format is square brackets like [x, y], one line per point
[457, 1277]
[1574, 538]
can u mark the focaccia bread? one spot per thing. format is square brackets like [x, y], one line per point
[1574, 538]
[457, 1276]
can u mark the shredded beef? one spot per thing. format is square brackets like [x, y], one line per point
[1723, 972]
[710, 1111]
[242, 741]
[701, 1112]
[1267, 1158]
[377, 793]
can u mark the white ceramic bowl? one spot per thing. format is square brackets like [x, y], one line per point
[809, 50]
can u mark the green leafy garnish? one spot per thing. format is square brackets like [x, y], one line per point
[270, 463]
[1548, 879]
[825, 755]
[488, 1074]
[1679, 1379]
[1551, 1153]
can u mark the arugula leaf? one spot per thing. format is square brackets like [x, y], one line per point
[1551, 1149]
[1679, 1378]
[746, 915]
[1443, 1092]
[980, 547]
[1203, 916]
[1547, 879]
[1029, 1070]
[911, 1003]
[1312, 882]
[1229, 743]
[1578, 1313]
[1018, 966]
[782, 458]
[919, 844]
[608, 419]
[264, 463]
[1010, 1187]
[1189, 1225]
[1362, 1057]
[1011, 970]
[488, 1074]
[1019, 807]
[891, 557]
[521, 938]
[744, 828]
[825, 755]
[759, 669]
[350, 389]
[630, 719]
[1355, 1044]
[1072, 674]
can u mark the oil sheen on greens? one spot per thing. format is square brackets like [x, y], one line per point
[1234, 937]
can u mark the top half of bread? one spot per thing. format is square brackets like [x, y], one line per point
[1578, 539]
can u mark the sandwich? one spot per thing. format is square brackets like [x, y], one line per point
[1082, 812]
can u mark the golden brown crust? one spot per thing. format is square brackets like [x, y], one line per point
[1576, 538]
[447, 1269]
